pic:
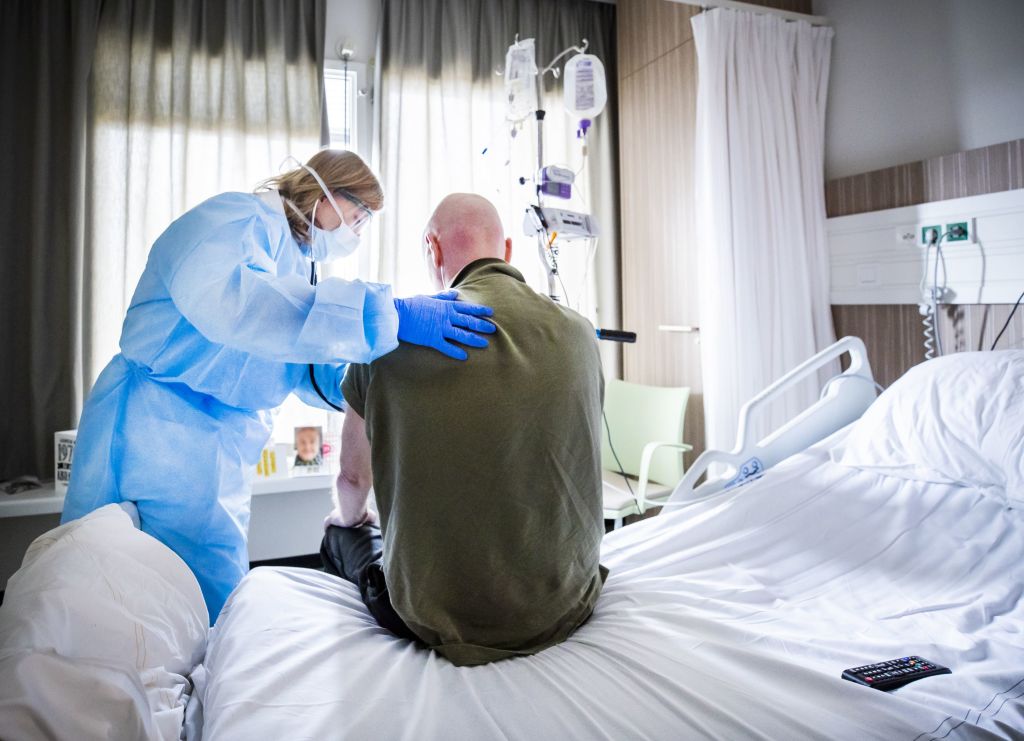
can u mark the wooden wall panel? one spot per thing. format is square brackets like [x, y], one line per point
[894, 333]
[966, 327]
[974, 172]
[648, 29]
[659, 282]
[891, 333]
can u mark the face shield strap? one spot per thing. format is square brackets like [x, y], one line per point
[327, 192]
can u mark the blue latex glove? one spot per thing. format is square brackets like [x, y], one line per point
[433, 320]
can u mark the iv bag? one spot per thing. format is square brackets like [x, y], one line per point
[584, 93]
[520, 81]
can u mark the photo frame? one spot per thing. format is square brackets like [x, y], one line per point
[309, 451]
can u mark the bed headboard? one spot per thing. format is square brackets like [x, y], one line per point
[845, 399]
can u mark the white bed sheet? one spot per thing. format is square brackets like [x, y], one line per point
[729, 618]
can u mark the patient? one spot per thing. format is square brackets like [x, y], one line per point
[486, 473]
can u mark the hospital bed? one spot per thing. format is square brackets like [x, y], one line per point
[730, 615]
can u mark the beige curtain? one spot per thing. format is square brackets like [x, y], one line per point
[442, 128]
[162, 103]
[188, 99]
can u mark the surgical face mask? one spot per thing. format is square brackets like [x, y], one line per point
[326, 245]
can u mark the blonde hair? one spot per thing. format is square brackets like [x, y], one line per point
[340, 170]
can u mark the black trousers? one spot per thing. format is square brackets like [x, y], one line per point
[357, 555]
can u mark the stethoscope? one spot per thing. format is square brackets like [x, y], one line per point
[312, 376]
[274, 200]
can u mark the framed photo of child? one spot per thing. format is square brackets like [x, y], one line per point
[309, 456]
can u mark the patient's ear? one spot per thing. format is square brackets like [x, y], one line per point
[434, 258]
[508, 249]
[434, 251]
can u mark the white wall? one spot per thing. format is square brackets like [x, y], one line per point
[872, 264]
[354, 24]
[913, 79]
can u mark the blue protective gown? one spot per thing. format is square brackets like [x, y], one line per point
[221, 328]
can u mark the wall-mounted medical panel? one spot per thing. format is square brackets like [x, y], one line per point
[875, 257]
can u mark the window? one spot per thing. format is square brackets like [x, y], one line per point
[341, 98]
[349, 121]
[344, 107]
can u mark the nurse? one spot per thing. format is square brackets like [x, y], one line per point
[228, 318]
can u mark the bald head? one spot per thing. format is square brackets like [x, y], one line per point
[465, 227]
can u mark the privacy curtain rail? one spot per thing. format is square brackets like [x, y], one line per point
[789, 15]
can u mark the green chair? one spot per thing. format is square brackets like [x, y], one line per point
[646, 425]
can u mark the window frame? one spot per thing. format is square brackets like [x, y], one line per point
[361, 116]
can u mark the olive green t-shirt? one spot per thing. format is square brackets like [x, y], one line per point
[487, 475]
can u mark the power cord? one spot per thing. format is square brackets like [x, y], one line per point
[1007, 324]
[622, 471]
[929, 307]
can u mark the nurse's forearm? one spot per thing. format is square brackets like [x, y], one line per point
[285, 318]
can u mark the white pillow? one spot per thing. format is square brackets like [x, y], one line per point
[957, 419]
[97, 592]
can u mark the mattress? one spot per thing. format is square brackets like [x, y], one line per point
[726, 618]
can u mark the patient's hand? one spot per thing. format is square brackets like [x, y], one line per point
[369, 518]
[366, 517]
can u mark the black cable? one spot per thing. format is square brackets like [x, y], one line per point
[622, 471]
[312, 375]
[1012, 312]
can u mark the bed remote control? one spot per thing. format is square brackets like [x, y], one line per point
[888, 675]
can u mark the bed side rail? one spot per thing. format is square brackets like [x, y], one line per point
[845, 399]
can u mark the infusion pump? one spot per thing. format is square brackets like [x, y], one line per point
[568, 224]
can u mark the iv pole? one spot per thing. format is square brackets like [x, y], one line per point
[547, 249]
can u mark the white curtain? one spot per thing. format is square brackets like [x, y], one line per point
[442, 129]
[764, 304]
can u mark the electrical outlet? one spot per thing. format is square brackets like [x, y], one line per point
[960, 231]
[930, 234]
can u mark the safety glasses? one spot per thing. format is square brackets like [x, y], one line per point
[363, 212]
